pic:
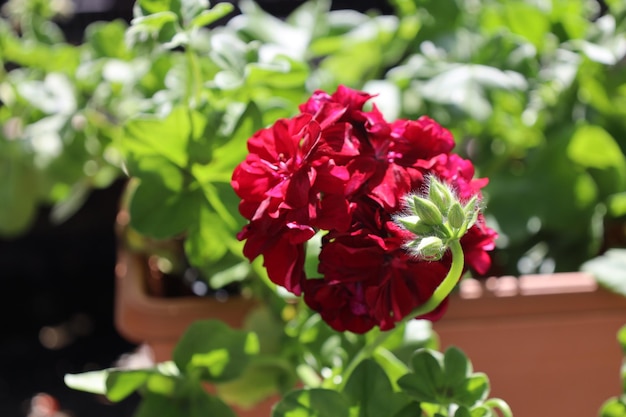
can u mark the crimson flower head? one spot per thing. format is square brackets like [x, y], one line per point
[345, 172]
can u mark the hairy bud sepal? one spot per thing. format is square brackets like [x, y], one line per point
[427, 211]
[436, 218]
[456, 216]
[430, 248]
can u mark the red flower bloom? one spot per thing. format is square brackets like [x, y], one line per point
[287, 190]
[368, 278]
[338, 168]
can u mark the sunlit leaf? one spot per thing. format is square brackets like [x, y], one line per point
[312, 403]
[107, 39]
[369, 389]
[609, 269]
[207, 17]
[262, 378]
[456, 366]
[94, 381]
[168, 137]
[162, 181]
[593, 147]
[154, 22]
[462, 412]
[613, 408]
[215, 350]
[18, 195]
[426, 382]
[120, 384]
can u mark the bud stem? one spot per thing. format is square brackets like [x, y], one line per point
[441, 292]
[447, 285]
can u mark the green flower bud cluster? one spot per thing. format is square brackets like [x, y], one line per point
[436, 217]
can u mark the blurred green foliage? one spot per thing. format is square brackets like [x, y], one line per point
[533, 91]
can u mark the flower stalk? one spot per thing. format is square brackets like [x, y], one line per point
[441, 292]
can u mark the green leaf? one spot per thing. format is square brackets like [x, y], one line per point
[283, 73]
[120, 384]
[472, 391]
[18, 195]
[229, 144]
[229, 52]
[391, 364]
[266, 28]
[207, 17]
[201, 146]
[617, 204]
[93, 382]
[215, 350]
[444, 380]
[592, 146]
[412, 409]
[465, 86]
[462, 411]
[107, 39]
[369, 390]
[157, 6]
[61, 57]
[168, 137]
[201, 404]
[162, 384]
[54, 95]
[190, 9]
[609, 270]
[521, 18]
[427, 380]
[195, 403]
[456, 366]
[616, 6]
[208, 239]
[154, 22]
[312, 403]
[262, 378]
[613, 408]
[158, 405]
[621, 337]
[481, 411]
[163, 182]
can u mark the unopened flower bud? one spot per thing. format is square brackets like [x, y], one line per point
[440, 194]
[414, 225]
[427, 211]
[456, 216]
[407, 221]
[471, 211]
[430, 248]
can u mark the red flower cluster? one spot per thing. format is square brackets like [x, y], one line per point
[343, 170]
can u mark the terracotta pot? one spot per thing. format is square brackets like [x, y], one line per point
[547, 342]
[160, 322]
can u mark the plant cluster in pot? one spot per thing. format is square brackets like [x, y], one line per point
[309, 177]
[331, 192]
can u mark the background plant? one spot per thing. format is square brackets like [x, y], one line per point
[431, 384]
[531, 91]
[538, 106]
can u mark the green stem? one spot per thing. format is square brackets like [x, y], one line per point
[365, 352]
[500, 405]
[440, 293]
[448, 283]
